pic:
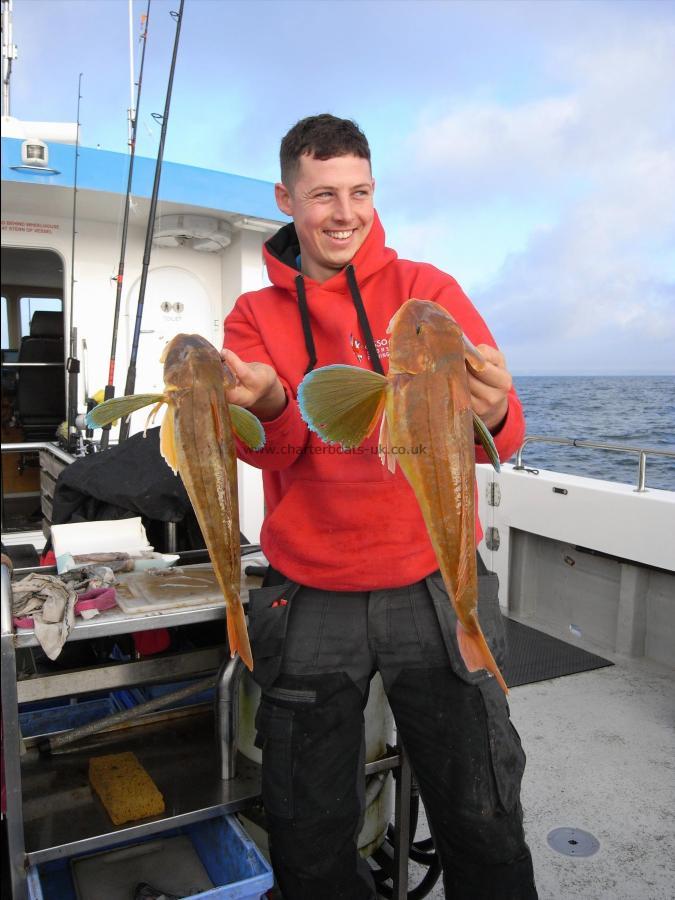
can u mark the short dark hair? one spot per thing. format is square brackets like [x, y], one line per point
[321, 137]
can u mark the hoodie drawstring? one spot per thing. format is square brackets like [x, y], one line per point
[363, 320]
[360, 312]
[306, 324]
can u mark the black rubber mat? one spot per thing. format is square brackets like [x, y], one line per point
[535, 656]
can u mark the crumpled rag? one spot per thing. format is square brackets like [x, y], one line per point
[49, 605]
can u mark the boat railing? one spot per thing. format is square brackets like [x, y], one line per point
[642, 452]
[35, 446]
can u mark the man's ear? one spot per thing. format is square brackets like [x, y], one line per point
[283, 197]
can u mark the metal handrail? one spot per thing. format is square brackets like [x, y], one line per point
[31, 447]
[597, 445]
[30, 365]
[34, 446]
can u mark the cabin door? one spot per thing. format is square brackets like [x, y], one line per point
[33, 379]
[175, 301]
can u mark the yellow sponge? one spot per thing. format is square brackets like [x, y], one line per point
[125, 788]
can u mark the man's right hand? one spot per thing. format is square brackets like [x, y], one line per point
[257, 387]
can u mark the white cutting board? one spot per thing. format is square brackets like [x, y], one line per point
[179, 587]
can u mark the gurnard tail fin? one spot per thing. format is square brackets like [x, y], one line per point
[237, 634]
[477, 655]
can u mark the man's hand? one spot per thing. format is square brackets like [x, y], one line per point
[257, 387]
[490, 388]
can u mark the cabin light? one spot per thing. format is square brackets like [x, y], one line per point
[266, 226]
[35, 158]
[35, 153]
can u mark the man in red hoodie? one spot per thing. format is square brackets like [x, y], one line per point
[353, 586]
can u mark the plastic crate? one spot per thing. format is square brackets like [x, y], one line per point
[234, 864]
[64, 716]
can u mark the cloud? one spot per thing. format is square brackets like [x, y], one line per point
[594, 285]
[495, 148]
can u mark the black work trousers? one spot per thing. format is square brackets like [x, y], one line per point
[315, 653]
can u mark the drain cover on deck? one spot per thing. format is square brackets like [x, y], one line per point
[573, 842]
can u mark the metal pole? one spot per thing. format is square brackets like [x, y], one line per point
[642, 472]
[110, 387]
[11, 739]
[227, 714]
[402, 826]
[73, 363]
[9, 54]
[131, 373]
[126, 715]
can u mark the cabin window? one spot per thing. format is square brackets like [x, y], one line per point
[29, 305]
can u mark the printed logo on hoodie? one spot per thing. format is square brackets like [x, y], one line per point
[361, 351]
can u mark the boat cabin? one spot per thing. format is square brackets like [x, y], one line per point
[60, 263]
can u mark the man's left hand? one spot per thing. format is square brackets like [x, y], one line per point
[490, 387]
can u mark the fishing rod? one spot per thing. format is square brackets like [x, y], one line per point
[110, 387]
[131, 372]
[73, 363]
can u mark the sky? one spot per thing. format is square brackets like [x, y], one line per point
[527, 148]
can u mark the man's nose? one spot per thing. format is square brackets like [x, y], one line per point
[342, 211]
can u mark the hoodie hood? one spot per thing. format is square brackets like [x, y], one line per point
[282, 251]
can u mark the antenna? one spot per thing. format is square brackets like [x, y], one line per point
[131, 372]
[110, 387]
[132, 83]
[9, 53]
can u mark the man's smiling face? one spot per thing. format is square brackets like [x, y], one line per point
[331, 202]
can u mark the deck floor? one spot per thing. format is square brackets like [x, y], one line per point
[601, 758]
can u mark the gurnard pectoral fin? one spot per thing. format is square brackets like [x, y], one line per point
[237, 634]
[247, 427]
[342, 404]
[119, 407]
[477, 655]
[482, 432]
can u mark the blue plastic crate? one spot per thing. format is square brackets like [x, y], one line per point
[48, 720]
[234, 864]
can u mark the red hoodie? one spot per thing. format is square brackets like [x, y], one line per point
[338, 520]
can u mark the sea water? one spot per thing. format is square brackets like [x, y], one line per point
[638, 411]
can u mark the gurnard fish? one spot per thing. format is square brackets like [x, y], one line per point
[423, 402]
[197, 441]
